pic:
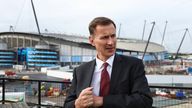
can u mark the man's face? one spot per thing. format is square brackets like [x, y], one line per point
[104, 40]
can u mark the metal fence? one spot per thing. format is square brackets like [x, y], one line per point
[52, 93]
[34, 92]
[171, 97]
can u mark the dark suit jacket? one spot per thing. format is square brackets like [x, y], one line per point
[128, 85]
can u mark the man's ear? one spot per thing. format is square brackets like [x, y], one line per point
[91, 40]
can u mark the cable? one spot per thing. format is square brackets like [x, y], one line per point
[165, 44]
[21, 11]
[159, 31]
[190, 36]
[178, 30]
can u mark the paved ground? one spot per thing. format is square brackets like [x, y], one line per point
[58, 101]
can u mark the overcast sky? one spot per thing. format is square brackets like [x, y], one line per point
[73, 17]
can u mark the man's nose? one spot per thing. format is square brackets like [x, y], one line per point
[110, 40]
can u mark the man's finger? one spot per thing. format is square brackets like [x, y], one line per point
[86, 91]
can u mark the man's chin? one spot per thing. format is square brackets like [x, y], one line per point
[111, 53]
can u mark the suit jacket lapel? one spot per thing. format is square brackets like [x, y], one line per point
[117, 66]
[87, 76]
[89, 72]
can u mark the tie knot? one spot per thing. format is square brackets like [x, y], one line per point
[105, 65]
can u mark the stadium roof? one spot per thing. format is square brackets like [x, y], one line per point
[122, 43]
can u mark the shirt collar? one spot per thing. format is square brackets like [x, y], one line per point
[110, 60]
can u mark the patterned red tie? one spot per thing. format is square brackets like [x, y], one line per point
[105, 81]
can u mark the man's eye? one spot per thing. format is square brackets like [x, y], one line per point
[113, 35]
[104, 37]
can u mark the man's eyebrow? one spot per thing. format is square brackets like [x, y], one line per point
[111, 34]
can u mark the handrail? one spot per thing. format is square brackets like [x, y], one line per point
[170, 87]
[35, 80]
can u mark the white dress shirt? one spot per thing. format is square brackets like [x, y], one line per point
[97, 73]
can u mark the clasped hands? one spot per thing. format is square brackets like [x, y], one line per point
[86, 99]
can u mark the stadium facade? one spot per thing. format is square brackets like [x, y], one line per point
[73, 50]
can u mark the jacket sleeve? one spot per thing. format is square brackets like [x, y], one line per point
[139, 96]
[71, 95]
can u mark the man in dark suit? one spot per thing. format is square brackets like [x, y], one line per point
[110, 80]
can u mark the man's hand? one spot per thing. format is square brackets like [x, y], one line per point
[97, 101]
[85, 98]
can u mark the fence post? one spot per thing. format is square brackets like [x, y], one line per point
[39, 94]
[3, 91]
